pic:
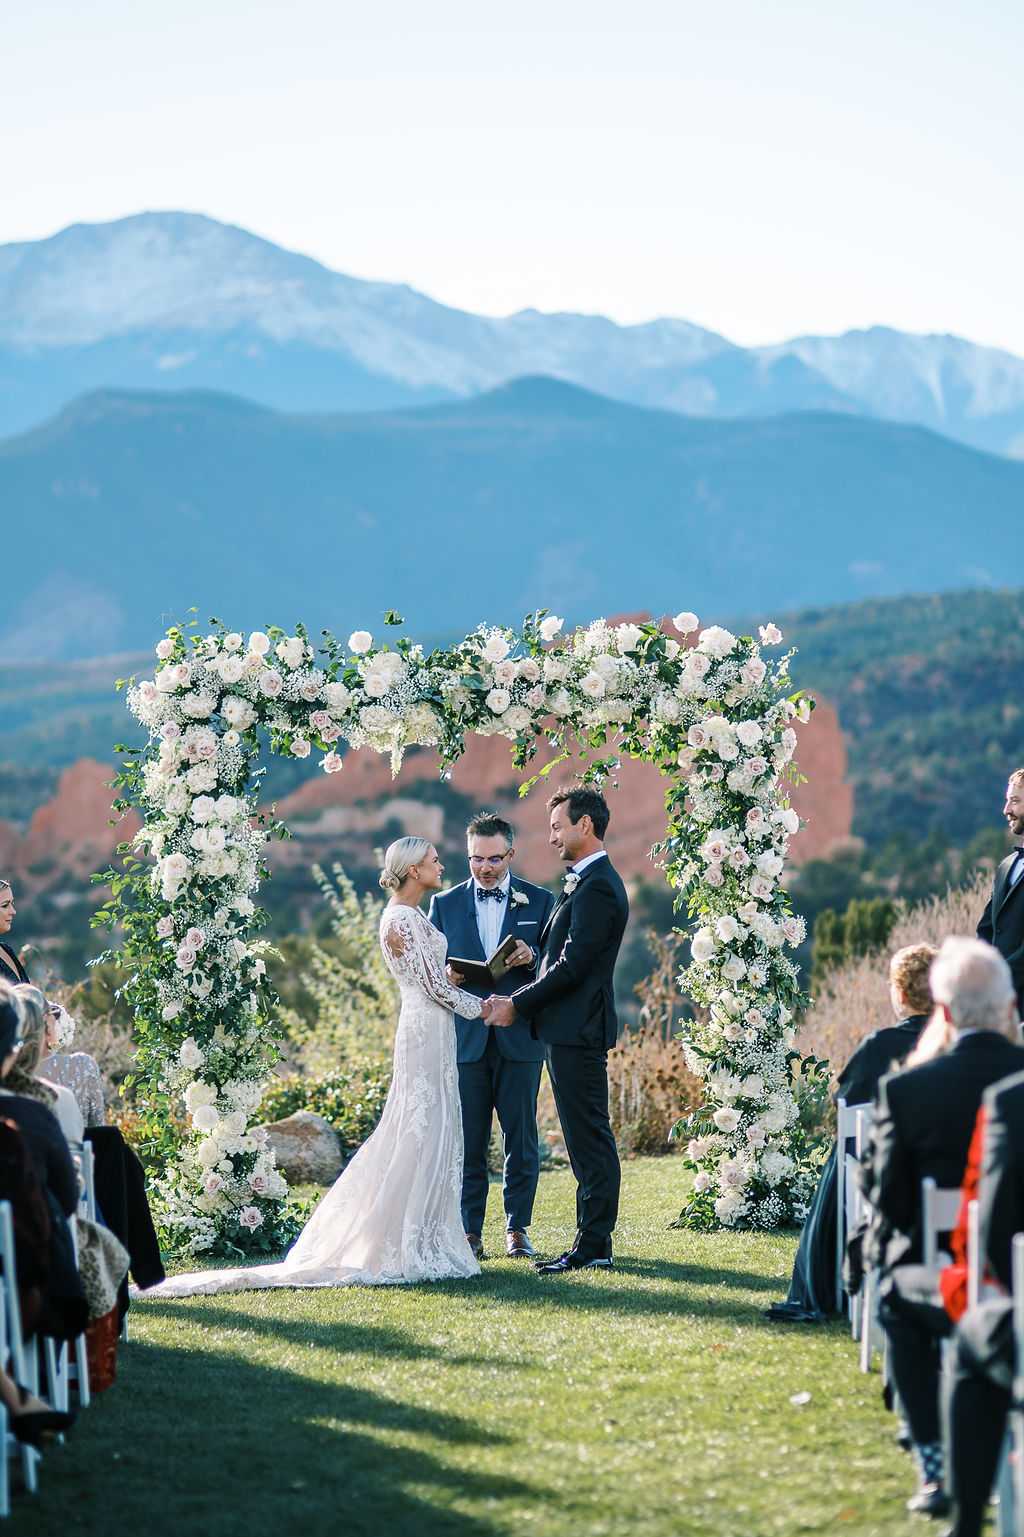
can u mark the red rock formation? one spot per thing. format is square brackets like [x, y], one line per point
[69, 835]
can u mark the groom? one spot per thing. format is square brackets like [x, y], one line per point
[571, 1008]
[496, 1072]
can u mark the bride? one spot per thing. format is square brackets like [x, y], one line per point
[393, 1214]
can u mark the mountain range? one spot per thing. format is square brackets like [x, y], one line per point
[128, 509]
[179, 301]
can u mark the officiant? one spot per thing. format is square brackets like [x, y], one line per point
[499, 1070]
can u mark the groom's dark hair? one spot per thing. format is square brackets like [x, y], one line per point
[581, 801]
[487, 824]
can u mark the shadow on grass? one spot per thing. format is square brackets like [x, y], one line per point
[337, 1336]
[208, 1442]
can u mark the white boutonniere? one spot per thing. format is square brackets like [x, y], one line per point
[572, 880]
[519, 898]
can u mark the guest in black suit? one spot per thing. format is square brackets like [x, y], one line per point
[981, 1383]
[498, 1070]
[571, 1009]
[1002, 922]
[812, 1288]
[11, 969]
[924, 1125]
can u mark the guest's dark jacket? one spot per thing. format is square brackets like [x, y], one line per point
[876, 1056]
[1002, 923]
[1001, 1186]
[923, 1126]
[47, 1147]
[572, 1002]
[11, 969]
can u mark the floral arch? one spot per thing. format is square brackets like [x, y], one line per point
[705, 707]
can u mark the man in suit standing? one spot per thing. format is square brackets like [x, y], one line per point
[571, 1009]
[1002, 922]
[923, 1127]
[497, 1072]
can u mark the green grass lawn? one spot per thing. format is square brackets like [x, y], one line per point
[654, 1400]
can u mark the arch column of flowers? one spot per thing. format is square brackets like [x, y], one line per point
[706, 707]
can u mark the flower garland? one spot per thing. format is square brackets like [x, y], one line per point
[706, 707]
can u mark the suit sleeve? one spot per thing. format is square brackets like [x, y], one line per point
[985, 930]
[595, 914]
[1000, 1191]
[435, 914]
[892, 1189]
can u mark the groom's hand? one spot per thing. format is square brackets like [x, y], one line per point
[503, 1010]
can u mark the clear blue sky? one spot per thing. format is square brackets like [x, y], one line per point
[763, 167]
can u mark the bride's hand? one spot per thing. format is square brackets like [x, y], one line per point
[485, 1009]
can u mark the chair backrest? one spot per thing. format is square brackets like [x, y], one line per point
[939, 1212]
[11, 1306]
[853, 1200]
[973, 1254]
[1017, 1281]
[863, 1121]
[84, 1159]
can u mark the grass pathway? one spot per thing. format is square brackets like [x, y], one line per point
[653, 1400]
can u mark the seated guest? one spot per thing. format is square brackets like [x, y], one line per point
[923, 1127]
[76, 1070]
[11, 969]
[31, 1421]
[813, 1284]
[981, 1383]
[25, 1076]
[46, 1143]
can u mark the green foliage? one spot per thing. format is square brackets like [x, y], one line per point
[865, 925]
[350, 1097]
[354, 997]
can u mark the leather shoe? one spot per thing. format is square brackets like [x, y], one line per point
[476, 1243]
[930, 1500]
[517, 1245]
[575, 1259]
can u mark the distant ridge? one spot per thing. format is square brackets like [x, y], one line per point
[179, 301]
[130, 508]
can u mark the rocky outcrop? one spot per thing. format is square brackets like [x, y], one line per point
[307, 1148]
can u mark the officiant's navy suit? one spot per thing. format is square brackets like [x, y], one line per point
[498, 1069]
[1002, 922]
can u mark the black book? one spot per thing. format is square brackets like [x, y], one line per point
[486, 973]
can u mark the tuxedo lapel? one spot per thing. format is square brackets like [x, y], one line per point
[510, 909]
[1003, 890]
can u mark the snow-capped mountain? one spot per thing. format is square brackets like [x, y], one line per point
[180, 301]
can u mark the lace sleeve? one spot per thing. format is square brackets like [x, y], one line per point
[410, 949]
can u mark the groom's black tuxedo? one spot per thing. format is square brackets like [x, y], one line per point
[1002, 922]
[571, 1008]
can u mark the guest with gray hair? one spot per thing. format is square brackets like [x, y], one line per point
[923, 1128]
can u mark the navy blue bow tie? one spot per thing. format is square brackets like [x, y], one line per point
[490, 891]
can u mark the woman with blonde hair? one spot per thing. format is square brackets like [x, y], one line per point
[812, 1287]
[393, 1215]
[26, 1076]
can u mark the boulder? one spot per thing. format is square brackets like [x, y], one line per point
[307, 1148]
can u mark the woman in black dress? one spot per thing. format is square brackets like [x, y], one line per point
[812, 1289]
[11, 969]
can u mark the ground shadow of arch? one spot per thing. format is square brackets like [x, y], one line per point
[273, 1452]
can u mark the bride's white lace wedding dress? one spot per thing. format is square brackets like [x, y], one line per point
[393, 1215]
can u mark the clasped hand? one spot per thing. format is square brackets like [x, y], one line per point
[499, 1011]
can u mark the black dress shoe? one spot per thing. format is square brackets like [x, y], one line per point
[575, 1259]
[33, 1428]
[930, 1500]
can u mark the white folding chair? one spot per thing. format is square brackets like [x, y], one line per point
[1016, 1427]
[846, 1127]
[871, 1335]
[23, 1362]
[84, 1160]
[940, 1209]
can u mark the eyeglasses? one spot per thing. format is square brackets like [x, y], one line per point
[494, 860]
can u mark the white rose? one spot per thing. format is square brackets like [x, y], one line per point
[770, 635]
[190, 1054]
[788, 819]
[259, 644]
[202, 808]
[726, 1119]
[672, 649]
[164, 649]
[550, 627]
[701, 1181]
[529, 668]
[496, 648]
[702, 946]
[271, 683]
[748, 732]
[698, 737]
[752, 673]
[517, 718]
[360, 641]
[593, 685]
[716, 642]
[761, 888]
[231, 669]
[556, 669]
[753, 1087]
[734, 969]
[170, 1011]
[498, 700]
[685, 622]
[769, 864]
[233, 642]
[205, 1118]
[727, 929]
[628, 637]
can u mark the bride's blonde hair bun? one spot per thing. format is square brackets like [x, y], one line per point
[399, 856]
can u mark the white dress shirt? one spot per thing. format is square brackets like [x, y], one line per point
[490, 914]
[582, 864]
